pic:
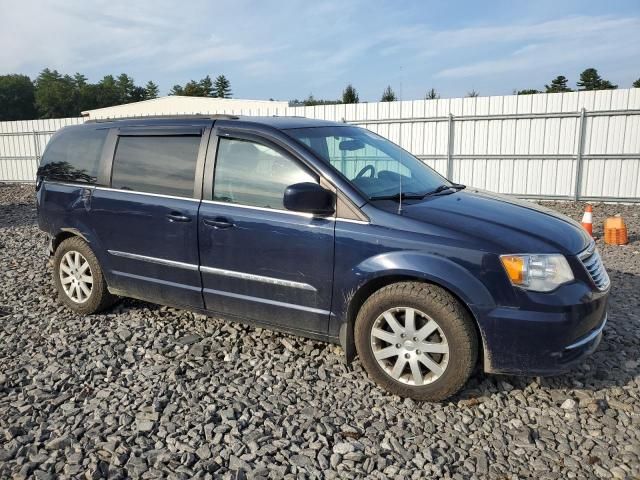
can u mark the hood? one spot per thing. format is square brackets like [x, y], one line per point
[514, 226]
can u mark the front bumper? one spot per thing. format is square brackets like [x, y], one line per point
[548, 340]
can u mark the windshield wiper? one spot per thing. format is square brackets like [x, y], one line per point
[442, 188]
[398, 196]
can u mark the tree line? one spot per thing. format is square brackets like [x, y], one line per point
[55, 95]
[590, 79]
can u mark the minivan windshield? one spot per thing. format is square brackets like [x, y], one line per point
[377, 167]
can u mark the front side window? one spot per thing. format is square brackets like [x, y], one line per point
[73, 155]
[373, 164]
[249, 173]
[156, 164]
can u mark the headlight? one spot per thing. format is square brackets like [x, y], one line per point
[540, 273]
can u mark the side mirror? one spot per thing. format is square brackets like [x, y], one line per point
[309, 197]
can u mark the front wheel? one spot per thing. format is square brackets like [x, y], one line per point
[78, 278]
[416, 340]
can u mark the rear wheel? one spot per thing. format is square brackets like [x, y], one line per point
[416, 340]
[78, 277]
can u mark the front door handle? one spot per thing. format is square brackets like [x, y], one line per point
[218, 222]
[178, 217]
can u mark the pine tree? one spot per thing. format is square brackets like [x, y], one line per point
[388, 95]
[222, 87]
[151, 90]
[126, 86]
[176, 90]
[206, 87]
[432, 94]
[636, 84]
[528, 91]
[558, 84]
[591, 80]
[350, 95]
[192, 89]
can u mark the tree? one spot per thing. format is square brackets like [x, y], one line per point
[192, 89]
[350, 95]
[109, 92]
[607, 85]
[558, 84]
[528, 91]
[126, 87]
[432, 94]
[176, 90]
[151, 90]
[206, 87]
[636, 84]
[55, 95]
[388, 95]
[473, 93]
[222, 87]
[17, 100]
[590, 80]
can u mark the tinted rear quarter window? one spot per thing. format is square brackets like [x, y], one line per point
[156, 164]
[73, 155]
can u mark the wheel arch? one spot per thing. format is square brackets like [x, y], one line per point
[62, 235]
[459, 291]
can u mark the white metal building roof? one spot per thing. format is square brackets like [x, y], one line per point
[178, 105]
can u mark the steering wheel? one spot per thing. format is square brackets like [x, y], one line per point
[365, 169]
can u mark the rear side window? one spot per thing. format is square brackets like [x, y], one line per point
[249, 173]
[164, 165]
[73, 155]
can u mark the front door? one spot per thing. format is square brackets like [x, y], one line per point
[147, 221]
[258, 260]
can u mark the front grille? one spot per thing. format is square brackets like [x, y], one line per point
[593, 264]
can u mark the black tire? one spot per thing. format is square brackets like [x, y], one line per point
[453, 320]
[99, 298]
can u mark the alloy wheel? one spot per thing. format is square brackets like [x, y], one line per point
[409, 346]
[76, 276]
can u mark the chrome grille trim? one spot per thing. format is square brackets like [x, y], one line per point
[592, 263]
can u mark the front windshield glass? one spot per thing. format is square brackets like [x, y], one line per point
[373, 164]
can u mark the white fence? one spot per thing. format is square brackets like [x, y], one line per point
[576, 145]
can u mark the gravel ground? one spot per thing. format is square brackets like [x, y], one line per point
[148, 391]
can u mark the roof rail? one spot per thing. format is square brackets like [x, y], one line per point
[215, 116]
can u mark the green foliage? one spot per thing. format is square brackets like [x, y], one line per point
[528, 91]
[350, 95]
[311, 101]
[558, 84]
[473, 93]
[432, 94]
[590, 80]
[17, 100]
[176, 90]
[636, 84]
[204, 88]
[55, 95]
[388, 95]
[222, 87]
[151, 90]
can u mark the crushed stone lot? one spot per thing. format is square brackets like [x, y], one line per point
[145, 391]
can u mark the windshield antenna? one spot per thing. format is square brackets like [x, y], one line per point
[401, 150]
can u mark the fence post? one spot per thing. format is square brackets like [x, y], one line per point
[450, 147]
[36, 151]
[581, 130]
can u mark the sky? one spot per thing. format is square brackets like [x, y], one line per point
[288, 49]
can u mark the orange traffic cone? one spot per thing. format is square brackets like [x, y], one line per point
[587, 219]
[615, 231]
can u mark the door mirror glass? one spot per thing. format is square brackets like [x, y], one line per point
[309, 197]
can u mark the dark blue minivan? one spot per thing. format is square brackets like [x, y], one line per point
[325, 230]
